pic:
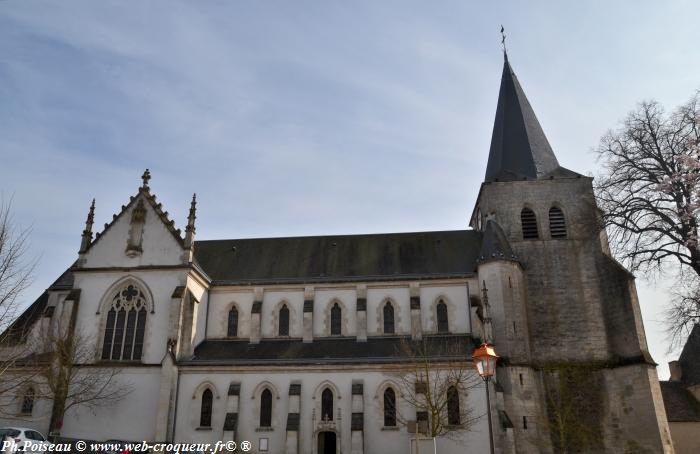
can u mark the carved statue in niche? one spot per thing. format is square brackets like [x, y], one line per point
[138, 219]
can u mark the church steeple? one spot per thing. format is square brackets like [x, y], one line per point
[519, 148]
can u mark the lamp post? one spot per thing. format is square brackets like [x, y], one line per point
[485, 358]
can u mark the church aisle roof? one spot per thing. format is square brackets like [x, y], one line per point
[519, 148]
[340, 257]
[330, 350]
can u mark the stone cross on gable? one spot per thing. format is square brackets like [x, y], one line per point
[146, 178]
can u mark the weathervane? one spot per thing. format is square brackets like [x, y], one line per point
[503, 39]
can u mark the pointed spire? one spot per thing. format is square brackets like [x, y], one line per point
[519, 147]
[146, 178]
[190, 229]
[87, 233]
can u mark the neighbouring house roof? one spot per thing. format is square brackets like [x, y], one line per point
[519, 148]
[340, 257]
[690, 358]
[681, 405]
[330, 350]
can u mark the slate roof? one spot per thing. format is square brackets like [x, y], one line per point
[340, 257]
[327, 351]
[681, 405]
[495, 245]
[17, 332]
[690, 358]
[519, 148]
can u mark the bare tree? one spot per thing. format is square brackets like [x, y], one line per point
[435, 388]
[68, 377]
[650, 193]
[15, 276]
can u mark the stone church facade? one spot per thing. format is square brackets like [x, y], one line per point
[294, 343]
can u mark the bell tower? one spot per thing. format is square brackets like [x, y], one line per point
[560, 305]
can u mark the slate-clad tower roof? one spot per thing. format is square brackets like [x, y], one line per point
[519, 148]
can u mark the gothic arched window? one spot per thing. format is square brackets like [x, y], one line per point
[284, 321]
[327, 405]
[266, 408]
[529, 224]
[453, 415]
[205, 412]
[336, 320]
[389, 408]
[389, 327]
[557, 223]
[443, 325]
[232, 322]
[28, 402]
[126, 323]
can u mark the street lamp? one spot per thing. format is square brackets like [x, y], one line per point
[485, 358]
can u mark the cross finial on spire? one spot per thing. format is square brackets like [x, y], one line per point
[503, 42]
[146, 177]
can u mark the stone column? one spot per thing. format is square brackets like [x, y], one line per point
[357, 422]
[232, 404]
[361, 313]
[308, 314]
[416, 325]
[256, 316]
[292, 440]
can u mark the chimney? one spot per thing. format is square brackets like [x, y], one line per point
[676, 371]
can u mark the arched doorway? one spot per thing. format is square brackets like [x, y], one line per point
[326, 443]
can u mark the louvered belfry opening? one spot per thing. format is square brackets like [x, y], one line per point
[557, 223]
[529, 224]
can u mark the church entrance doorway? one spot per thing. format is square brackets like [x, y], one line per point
[326, 443]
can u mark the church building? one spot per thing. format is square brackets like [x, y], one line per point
[296, 344]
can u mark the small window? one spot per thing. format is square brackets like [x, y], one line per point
[266, 408]
[205, 412]
[336, 319]
[28, 402]
[442, 320]
[557, 223]
[284, 321]
[389, 408]
[389, 327]
[529, 224]
[453, 416]
[232, 323]
[524, 422]
[327, 405]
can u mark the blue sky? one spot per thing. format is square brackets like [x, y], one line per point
[309, 117]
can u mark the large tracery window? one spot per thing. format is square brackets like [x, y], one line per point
[336, 319]
[126, 323]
